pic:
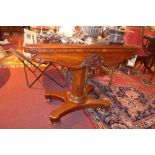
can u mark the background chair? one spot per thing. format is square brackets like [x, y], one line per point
[136, 36]
[150, 50]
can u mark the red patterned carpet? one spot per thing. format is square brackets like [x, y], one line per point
[133, 103]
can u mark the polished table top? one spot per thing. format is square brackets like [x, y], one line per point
[72, 55]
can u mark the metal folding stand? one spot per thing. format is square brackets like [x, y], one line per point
[36, 68]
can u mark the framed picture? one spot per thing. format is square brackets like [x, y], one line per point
[30, 37]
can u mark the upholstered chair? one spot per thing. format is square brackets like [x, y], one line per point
[135, 36]
[150, 50]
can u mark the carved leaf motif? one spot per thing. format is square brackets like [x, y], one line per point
[92, 61]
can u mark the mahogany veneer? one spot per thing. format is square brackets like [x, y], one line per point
[78, 57]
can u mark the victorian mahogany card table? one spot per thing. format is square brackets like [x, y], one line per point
[78, 57]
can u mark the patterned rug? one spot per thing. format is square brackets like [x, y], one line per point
[131, 108]
[11, 62]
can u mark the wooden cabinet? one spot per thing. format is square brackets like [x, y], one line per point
[11, 30]
[8, 29]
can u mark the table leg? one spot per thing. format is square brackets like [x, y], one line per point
[77, 98]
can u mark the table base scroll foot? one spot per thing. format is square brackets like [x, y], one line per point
[68, 107]
[55, 122]
[49, 95]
